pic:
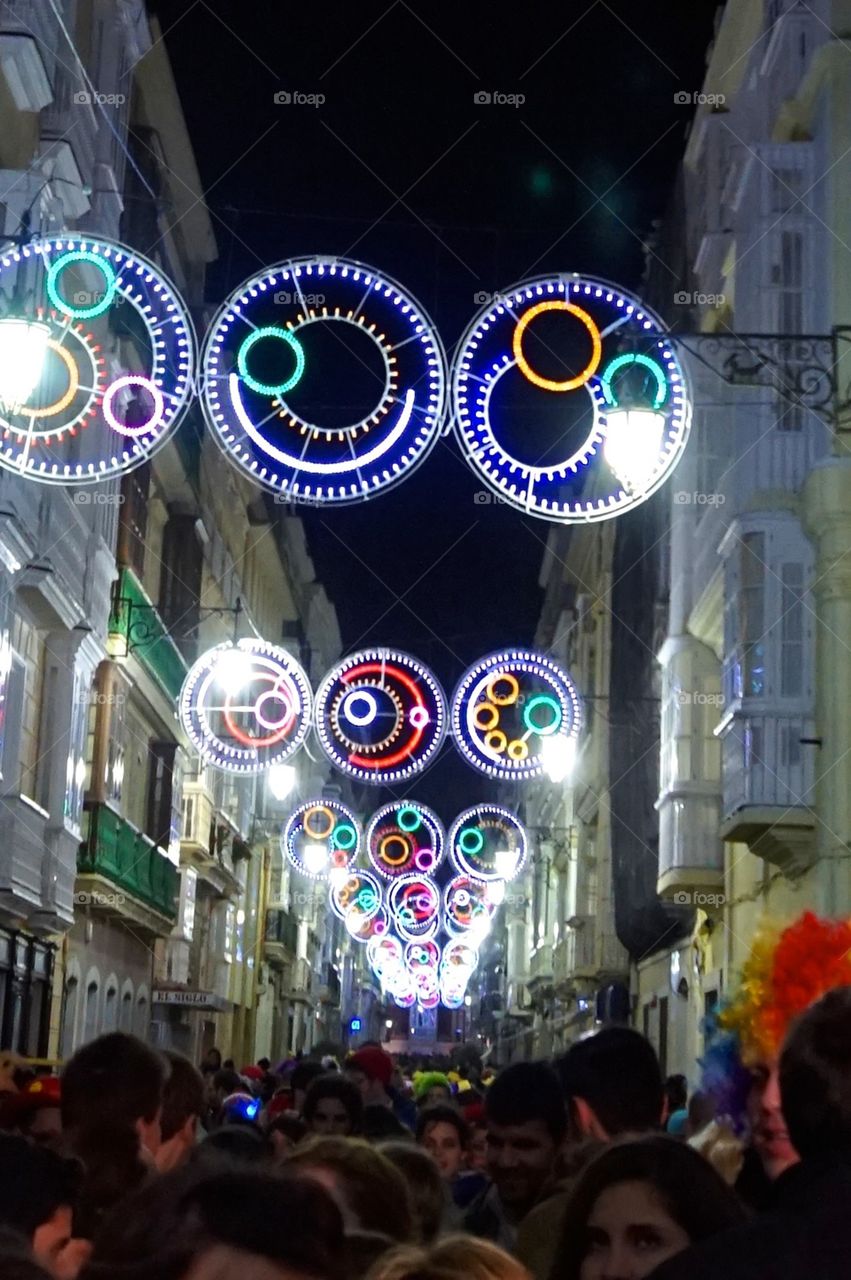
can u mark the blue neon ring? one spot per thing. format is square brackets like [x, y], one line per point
[536, 701]
[52, 285]
[402, 815]
[263, 388]
[478, 841]
[620, 362]
[341, 829]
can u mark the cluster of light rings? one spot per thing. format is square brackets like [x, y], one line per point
[468, 838]
[404, 838]
[169, 383]
[380, 305]
[475, 377]
[494, 683]
[209, 708]
[324, 824]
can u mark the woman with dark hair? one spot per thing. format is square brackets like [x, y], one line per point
[333, 1107]
[636, 1205]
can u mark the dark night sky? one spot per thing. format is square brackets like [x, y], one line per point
[403, 170]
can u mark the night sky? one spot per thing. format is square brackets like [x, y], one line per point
[401, 168]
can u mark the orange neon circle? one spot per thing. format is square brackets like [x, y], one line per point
[318, 835]
[549, 384]
[394, 839]
[508, 678]
[493, 715]
[496, 741]
[73, 384]
[517, 749]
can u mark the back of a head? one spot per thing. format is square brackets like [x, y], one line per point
[115, 1079]
[183, 1095]
[616, 1071]
[815, 1077]
[453, 1258]
[234, 1146]
[35, 1182]
[370, 1184]
[160, 1232]
[425, 1186]
[527, 1091]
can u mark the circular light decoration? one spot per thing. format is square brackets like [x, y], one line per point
[380, 716]
[422, 960]
[468, 907]
[488, 843]
[355, 890]
[512, 711]
[544, 392]
[457, 967]
[67, 415]
[246, 706]
[321, 836]
[324, 380]
[404, 838]
[413, 902]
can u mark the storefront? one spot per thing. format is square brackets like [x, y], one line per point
[26, 972]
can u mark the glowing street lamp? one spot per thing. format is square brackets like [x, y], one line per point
[23, 345]
[634, 421]
[281, 780]
[559, 756]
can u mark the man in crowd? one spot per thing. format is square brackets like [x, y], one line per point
[371, 1071]
[115, 1081]
[183, 1107]
[808, 1231]
[39, 1193]
[527, 1124]
[612, 1085]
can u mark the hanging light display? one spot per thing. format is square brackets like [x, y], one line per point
[356, 897]
[380, 716]
[538, 404]
[487, 843]
[514, 712]
[320, 837]
[66, 416]
[413, 902]
[324, 380]
[246, 706]
[469, 907]
[403, 838]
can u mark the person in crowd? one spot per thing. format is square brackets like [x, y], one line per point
[807, 1232]
[333, 1106]
[40, 1190]
[118, 1081]
[637, 1204]
[676, 1100]
[701, 1112]
[240, 1108]
[183, 1107]
[221, 1085]
[114, 1166]
[285, 1132]
[443, 1132]
[453, 1258]
[222, 1225]
[477, 1146]
[371, 1071]
[211, 1062]
[301, 1077]
[430, 1202]
[527, 1124]
[35, 1110]
[612, 1085]
[370, 1190]
[431, 1088]
[234, 1146]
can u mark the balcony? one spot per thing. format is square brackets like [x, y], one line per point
[27, 37]
[280, 941]
[136, 626]
[122, 872]
[299, 984]
[329, 990]
[540, 968]
[199, 846]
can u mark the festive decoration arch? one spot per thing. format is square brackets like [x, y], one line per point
[404, 837]
[269, 363]
[246, 706]
[322, 836]
[487, 843]
[67, 415]
[510, 712]
[413, 903]
[509, 378]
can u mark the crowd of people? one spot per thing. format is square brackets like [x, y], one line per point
[134, 1164]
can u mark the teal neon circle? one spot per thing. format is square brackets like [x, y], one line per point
[344, 829]
[52, 285]
[366, 900]
[542, 699]
[408, 818]
[620, 362]
[263, 388]
[478, 841]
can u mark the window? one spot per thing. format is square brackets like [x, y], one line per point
[792, 630]
[90, 1022]
[28, 644]
[752, 615]
[142, 1017]
[110, 1010]
[69, 1016]
[126, 1020]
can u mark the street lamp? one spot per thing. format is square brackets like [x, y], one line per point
[558, 755]
[634, 421]
[281, 780]
[23, 345]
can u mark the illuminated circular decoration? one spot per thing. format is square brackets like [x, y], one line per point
[488, 843]
[321, 836]
[413, 902]
[380, 716]
[512, 711]
[352, 341]
[103, 374]
[468, 907]
[404, 838]
[355, 897]
[537, 406]
[246, 707]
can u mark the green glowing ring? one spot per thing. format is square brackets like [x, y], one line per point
[263, 388]
[478, 841]
[545, 700]
[52, 286]
[367, 900]
[404, 816]
[620, 362]
[344, 829]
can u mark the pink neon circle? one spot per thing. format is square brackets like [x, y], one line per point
[379, 927]
[425, 859]
[418, 717]
[276, 695]
[132, 380]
